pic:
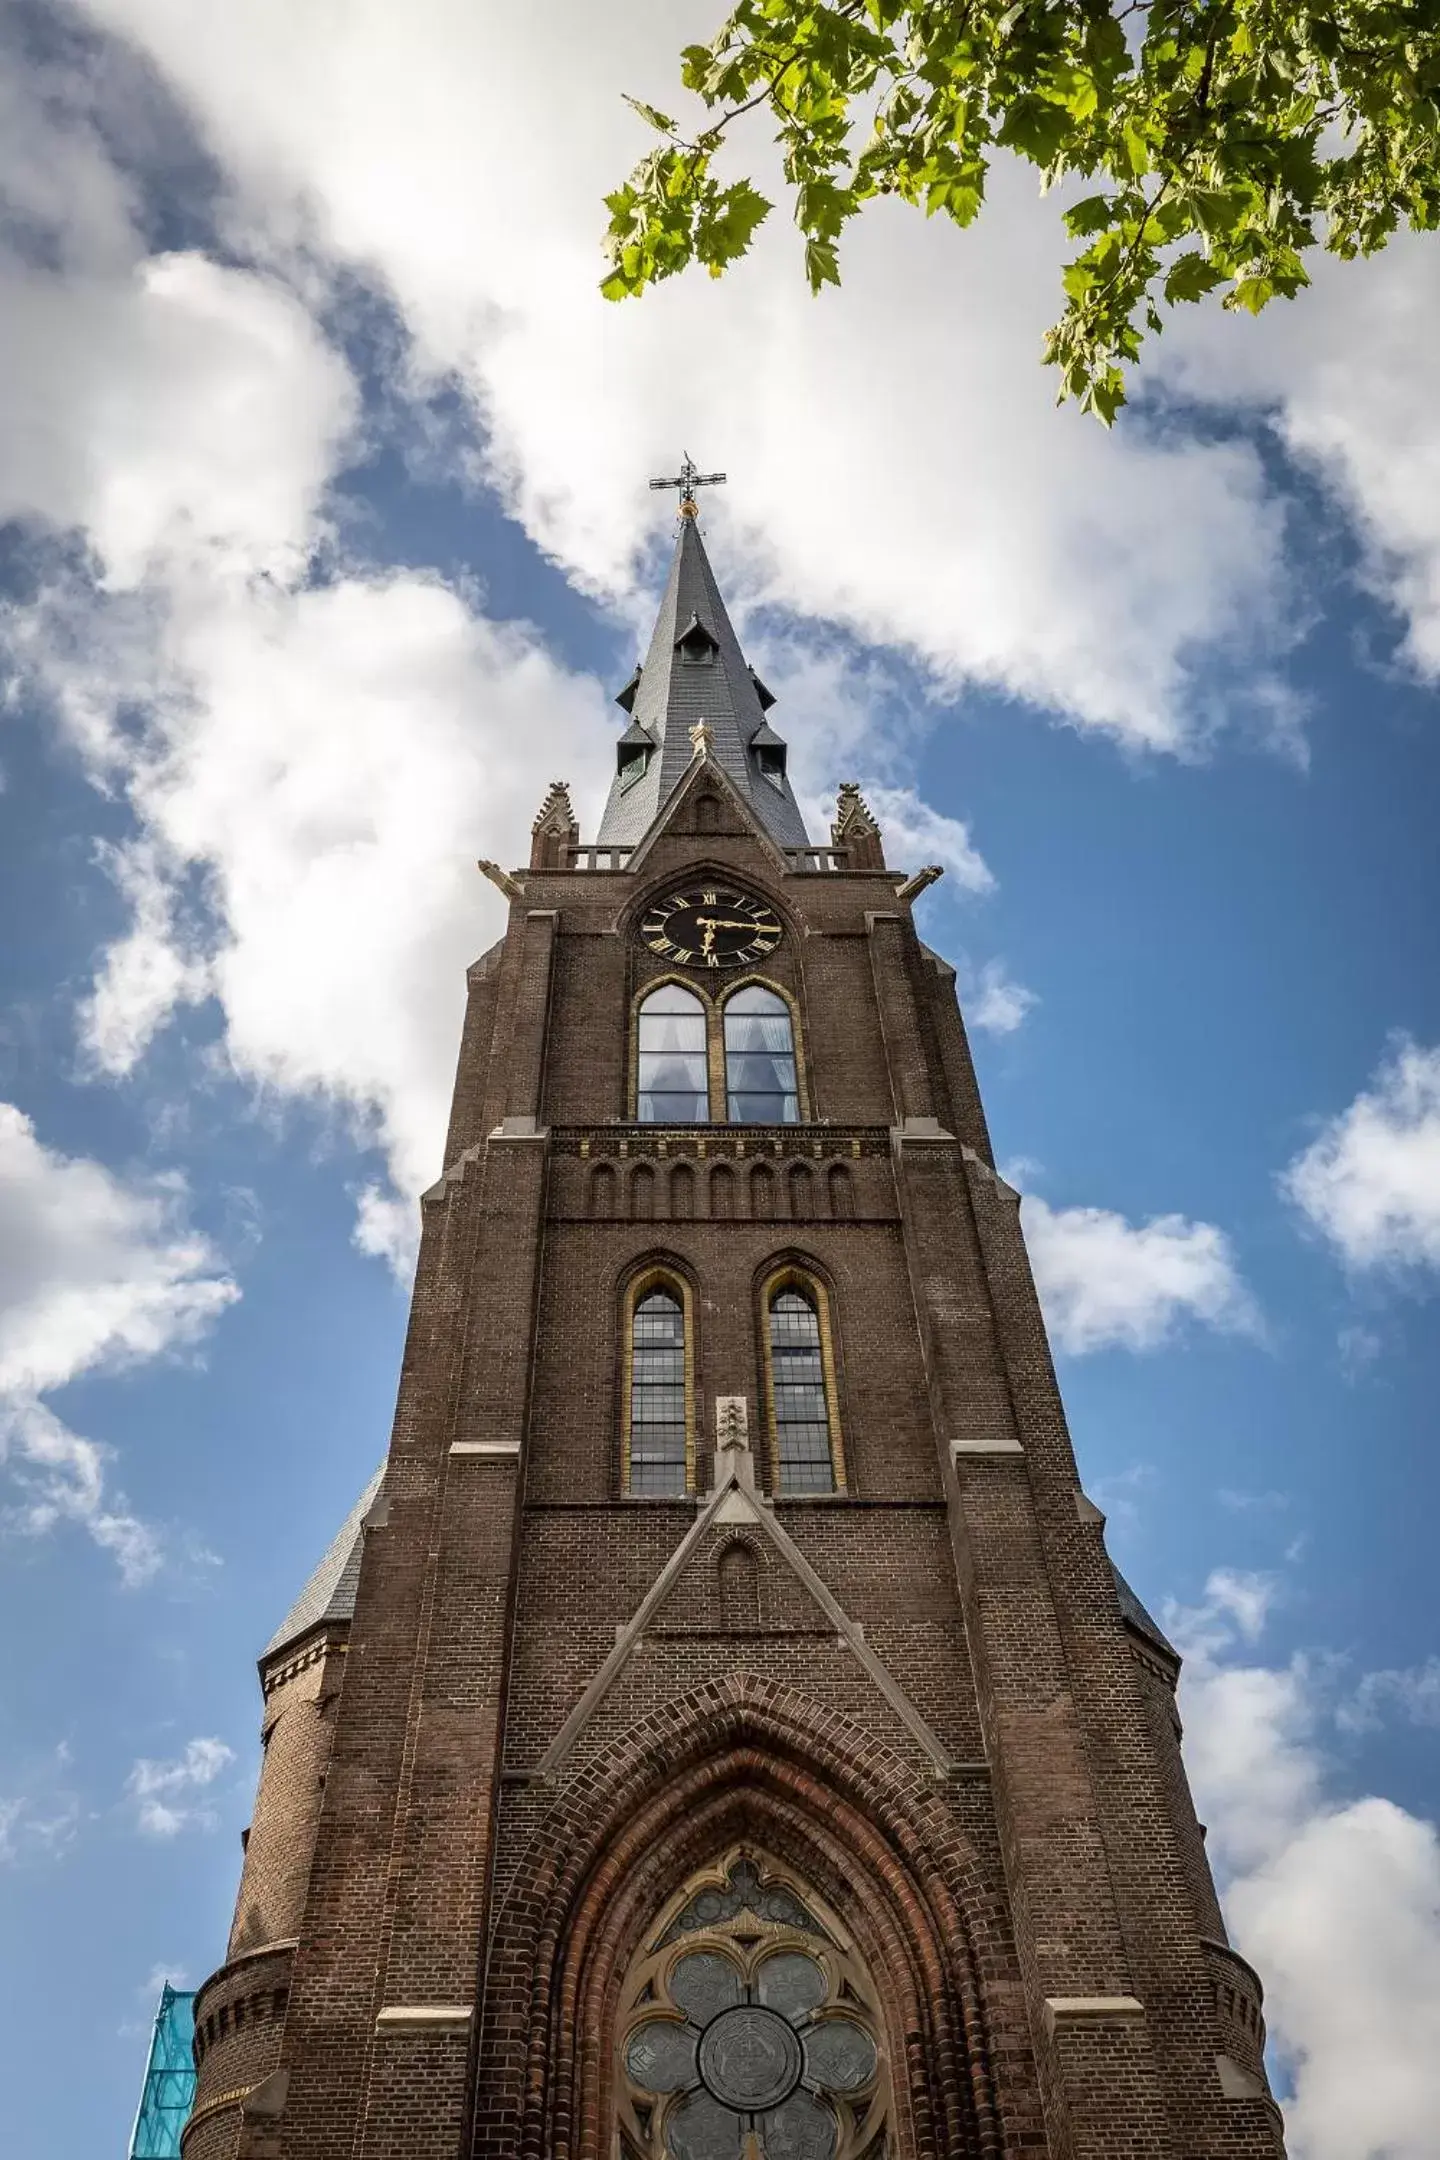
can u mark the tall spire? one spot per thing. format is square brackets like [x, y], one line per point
[695, 672]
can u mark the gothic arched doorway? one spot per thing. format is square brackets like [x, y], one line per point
[748, 2028]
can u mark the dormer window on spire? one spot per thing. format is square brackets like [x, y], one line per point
[695, 645]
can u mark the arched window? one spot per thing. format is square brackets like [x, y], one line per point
[761, 1087]
[673, 1086]
[657, 1420]
[800, 1372]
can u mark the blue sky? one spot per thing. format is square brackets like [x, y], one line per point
[324, 544]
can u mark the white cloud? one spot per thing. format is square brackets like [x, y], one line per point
[137, 385]
[1370, 1182]
[998, 1004]
[328, 762]
[134, 401]
[965, 520]
[1345, 377]
[1240, 1501]
[1411, 1692]
[915, 834]
[146, 973]
[1118, 1496]
[165, 1793]
[1106, 1282]
[40, 1815]
[96, 1274]
[1337, 1903]
[313, 766]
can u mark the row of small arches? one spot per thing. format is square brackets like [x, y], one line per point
[684, 1192]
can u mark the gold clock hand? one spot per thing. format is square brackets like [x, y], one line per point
[717, 922]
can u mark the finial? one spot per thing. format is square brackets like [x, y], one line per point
[702, 735]
[554, 830]
[687, 480]
[856, 830]
[555, 813]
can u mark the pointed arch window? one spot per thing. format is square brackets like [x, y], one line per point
[761, 1079]
[673, 1086]
[659, 1392]
[800, 1382]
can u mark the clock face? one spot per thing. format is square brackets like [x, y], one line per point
[710, 926]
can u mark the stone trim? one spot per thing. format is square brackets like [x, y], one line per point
[1072, 2010]
[969, 1450]
[425, 2017]
[920, 1132]
[233, 2099]
[735, 1500]
[1238, 2083]
[509, 1448]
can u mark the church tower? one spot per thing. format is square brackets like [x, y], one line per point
[718, 1732]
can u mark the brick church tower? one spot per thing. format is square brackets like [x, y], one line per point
[718, 1733]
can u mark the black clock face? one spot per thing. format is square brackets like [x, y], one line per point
[710, 926]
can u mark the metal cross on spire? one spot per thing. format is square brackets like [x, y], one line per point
[687, 480]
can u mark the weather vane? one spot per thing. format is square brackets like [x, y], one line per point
[687, 480]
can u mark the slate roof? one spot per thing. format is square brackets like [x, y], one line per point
[672, 693]
[1134, 1612]
[329, 1595]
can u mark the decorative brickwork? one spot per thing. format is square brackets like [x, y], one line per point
[920, 1698]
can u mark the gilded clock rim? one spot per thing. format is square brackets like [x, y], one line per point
[768, 930]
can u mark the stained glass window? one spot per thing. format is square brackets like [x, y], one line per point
[747, 2028]
[658, 1427]
[761, 1087]
[673, 1081]
[805, 1457]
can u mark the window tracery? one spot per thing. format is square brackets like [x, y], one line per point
[761, 1080]
[673, 1081]
[800, 1386]
[749, 2028]
[696, 1061]
[659, 1391]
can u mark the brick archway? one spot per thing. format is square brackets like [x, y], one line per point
[739, 1759]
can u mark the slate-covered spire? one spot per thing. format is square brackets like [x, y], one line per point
[696, 671]
[329, 1596]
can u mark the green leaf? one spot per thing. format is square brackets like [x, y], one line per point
[1091, 215]
[661, 122]
[1136, 148]
[1191, 278]
[1106, 395]
[1251, 293]
[822, 264]
[1248, 132]
[728, 226]
[1035, 128]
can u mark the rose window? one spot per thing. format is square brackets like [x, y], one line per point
[750, 2030]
